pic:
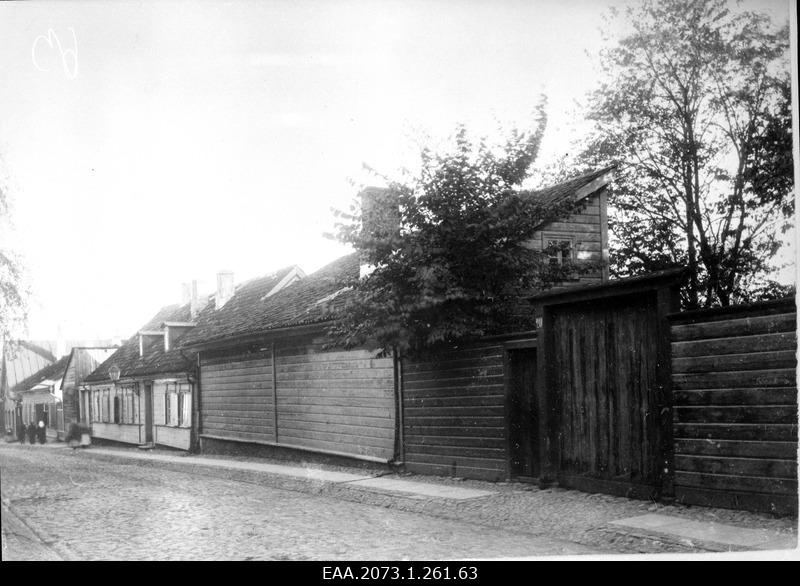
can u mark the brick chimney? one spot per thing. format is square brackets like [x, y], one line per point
[224, 288]
[380, 216]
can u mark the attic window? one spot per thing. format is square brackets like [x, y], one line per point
[561, 250]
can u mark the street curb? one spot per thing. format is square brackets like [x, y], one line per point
[58, 549]
[436, 507]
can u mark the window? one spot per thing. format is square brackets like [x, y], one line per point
[166, 406]
[178, 405]
[560, 250]
[174, 409]
[185, 408]
[96, 413]
[117, 409]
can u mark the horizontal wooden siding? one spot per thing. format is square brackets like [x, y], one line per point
[237, 400]
[454, 413]
[735, 416]
[340, 401]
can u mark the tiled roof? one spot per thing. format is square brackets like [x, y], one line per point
[155, 359]
[51, 372]
[566, 188]
[248, 312]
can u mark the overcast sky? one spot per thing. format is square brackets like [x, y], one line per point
[146, 144]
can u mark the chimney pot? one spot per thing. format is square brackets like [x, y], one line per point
[224, 288]
[194, 307]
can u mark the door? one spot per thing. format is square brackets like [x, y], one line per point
[41, 414]
[523, 416]
[148, 413]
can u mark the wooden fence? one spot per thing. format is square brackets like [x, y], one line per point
[454, 413]
[293, 393]
[735, 415]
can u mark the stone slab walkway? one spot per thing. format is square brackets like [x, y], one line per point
[421, 489]
[705, 532]
[367, 482]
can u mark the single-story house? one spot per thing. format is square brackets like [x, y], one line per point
[269, 382]
[144, 393]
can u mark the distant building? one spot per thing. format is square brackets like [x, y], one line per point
[31, 383]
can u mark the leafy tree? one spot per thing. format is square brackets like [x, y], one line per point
[696, 111]
[449, 256]
[13, 292]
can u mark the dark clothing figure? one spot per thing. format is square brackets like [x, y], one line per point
[21, 432]
[41, 432]
[31, 433]
[73, 432]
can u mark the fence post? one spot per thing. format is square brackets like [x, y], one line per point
[666, 302]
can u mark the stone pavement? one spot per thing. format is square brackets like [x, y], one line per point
[114, 508]
[572, 522]
[724, 536]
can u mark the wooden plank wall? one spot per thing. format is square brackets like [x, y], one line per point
[735, 416]
[237, 400]
[585, 228]
[69, 390]
[340, 401]
[335, 401]
[604, 382]
[454, 413]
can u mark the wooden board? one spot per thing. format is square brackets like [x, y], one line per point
[454, 412]
[736, 409]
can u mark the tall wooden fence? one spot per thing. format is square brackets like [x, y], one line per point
[735, 415]
[294, 393]
[454, 413]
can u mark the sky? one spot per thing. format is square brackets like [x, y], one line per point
[145, 144]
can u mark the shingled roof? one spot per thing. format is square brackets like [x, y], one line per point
[249, 312]
[570, 187]
[155, 359]
[51, 372]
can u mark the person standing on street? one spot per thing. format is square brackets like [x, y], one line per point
[31, 433]
[41, 433]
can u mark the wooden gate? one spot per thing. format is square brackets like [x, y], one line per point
[604, 392]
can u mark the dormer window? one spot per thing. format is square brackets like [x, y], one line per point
[145, 334]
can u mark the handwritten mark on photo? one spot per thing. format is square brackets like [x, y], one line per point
[69, 56]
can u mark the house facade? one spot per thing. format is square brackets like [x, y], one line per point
[145, 392]
[268, 380]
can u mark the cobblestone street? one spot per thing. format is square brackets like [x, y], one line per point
[59, 503]
[90, 509]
